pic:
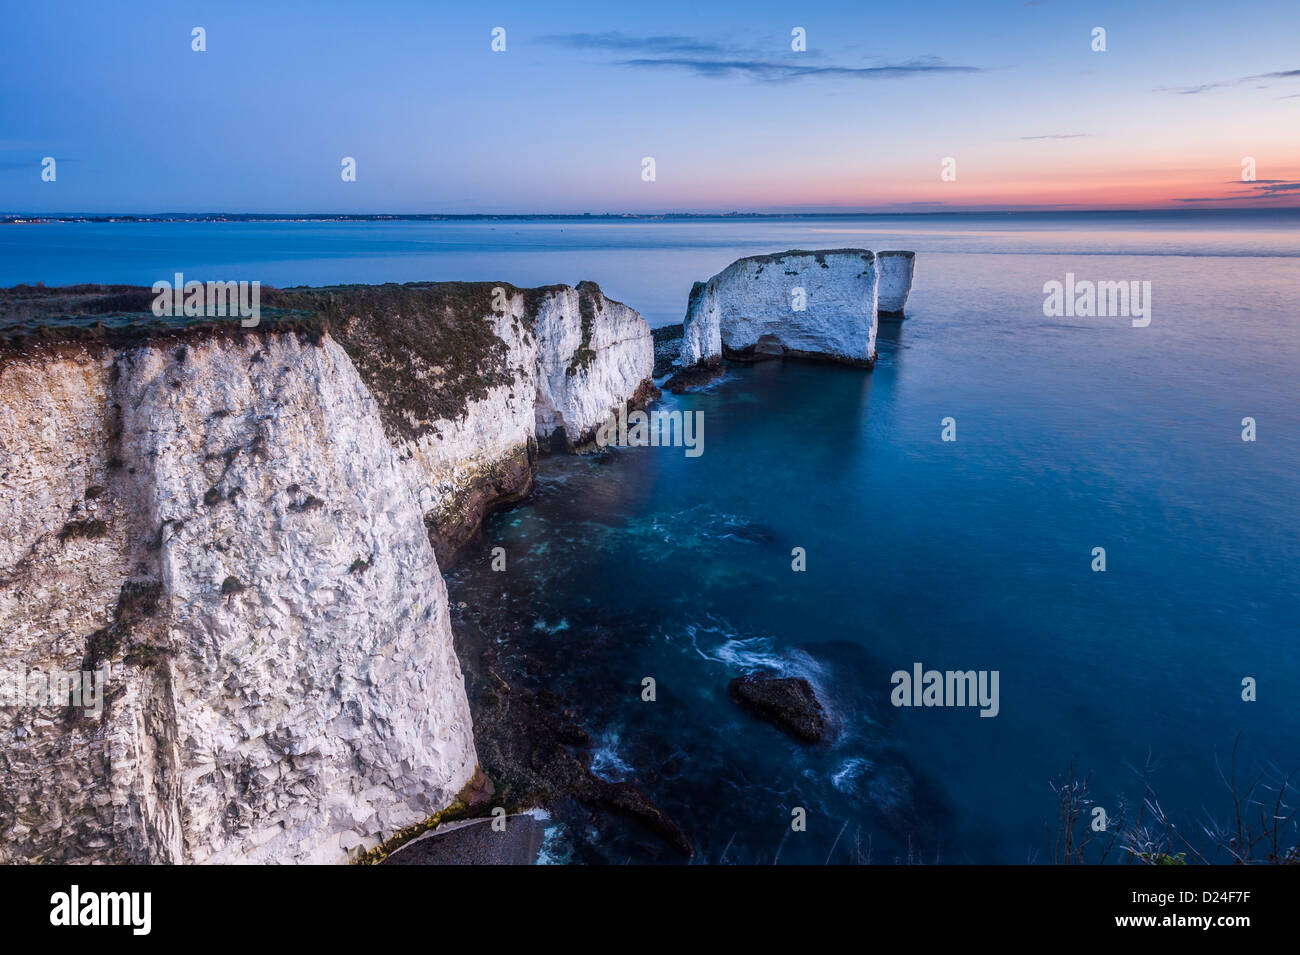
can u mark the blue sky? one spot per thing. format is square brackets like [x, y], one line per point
[560, 121]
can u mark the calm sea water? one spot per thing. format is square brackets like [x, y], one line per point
[1072, 434]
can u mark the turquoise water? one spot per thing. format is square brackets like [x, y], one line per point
[974, 554]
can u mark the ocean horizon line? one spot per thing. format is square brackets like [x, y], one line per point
[10, 218]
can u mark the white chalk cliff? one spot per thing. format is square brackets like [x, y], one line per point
[585, 367]
[473, 377]
[238, 525]
[820, 304]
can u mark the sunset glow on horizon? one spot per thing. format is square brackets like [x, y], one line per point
[1185, 107]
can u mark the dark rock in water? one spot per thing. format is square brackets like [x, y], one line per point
[788, 703]
[478, 792]
[631, 802]
[697, 376]
[668, 344]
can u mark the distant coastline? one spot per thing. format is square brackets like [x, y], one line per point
[41, 217]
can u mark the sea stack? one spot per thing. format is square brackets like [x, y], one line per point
[820, 304]
[895, 271]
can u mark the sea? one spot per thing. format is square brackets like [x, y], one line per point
[1169, 448]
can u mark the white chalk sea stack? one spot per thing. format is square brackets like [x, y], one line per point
[895, 271]
[819, 304]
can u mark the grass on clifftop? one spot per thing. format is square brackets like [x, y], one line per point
[32, 316]
[425, 350]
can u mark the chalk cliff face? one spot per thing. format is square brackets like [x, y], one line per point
[895, 270]
[819, 304]
[237, 525]
[473, 377]
[585, 368]
[223, 524]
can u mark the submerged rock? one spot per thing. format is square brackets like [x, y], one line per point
[532, 743]
[788, 703]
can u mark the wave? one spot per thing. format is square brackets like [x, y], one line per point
[755, 654]
[606, 761]
[845, 776]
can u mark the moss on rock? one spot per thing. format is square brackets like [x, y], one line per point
[425, 350]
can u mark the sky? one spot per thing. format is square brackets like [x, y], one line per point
[562, 119]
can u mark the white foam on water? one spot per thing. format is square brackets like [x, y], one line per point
[555, 849]
[606, 761]
[752, 654]
[846, 775]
